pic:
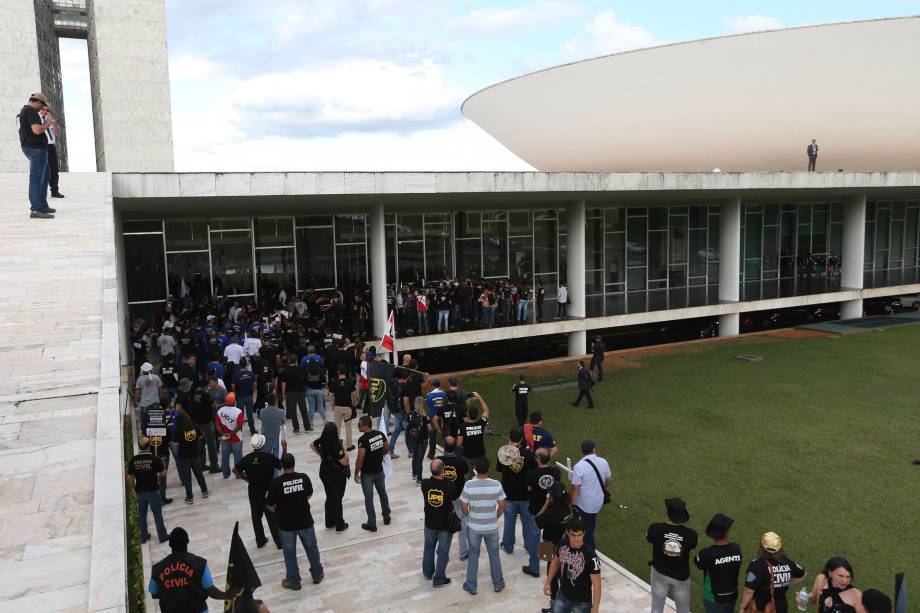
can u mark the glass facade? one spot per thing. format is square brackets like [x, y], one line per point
[892, 243]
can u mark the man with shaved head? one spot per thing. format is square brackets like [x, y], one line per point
[437, 493]
[144, 471]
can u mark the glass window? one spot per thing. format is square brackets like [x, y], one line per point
[520, 223]
[615, 304]
[897, 241]
[390, 231]
[752, 236]
[494, 216]
[657, 255]
[315, 258]
[229, 223]
[698, 216]
[409, 227]
[467, 225]
[275, 270]
[544, 239]
[411, 264]
[521, 251]
[677, 276]
[635, 279]
[770, 254]
[635, 241]
[771, 215]
[314, 220]
[594, 245]
[231, 263]
[549, 284]
[713, 237]
[616, 257]
[141, 225]
[146, 278]
[186, 235]
[594, 282]
[274, 231]
[351, 267]
[787, 234]
[698, 253]
[635, 302]
[494, 249]
[468, 259]
[438, 251]
[819, 229]
[615, 220]
[678, 232]
[882, 230]
[658, 218]
[437, 217]
[189, 274]
[349, 228]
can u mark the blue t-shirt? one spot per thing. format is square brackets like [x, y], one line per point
[243, 381]
[218, 369]
[314, 357]
[206, 583]
[434, 401]
[542, 438]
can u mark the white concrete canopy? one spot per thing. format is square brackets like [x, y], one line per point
[745, 102]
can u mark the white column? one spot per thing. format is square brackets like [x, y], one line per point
[378, 261]
[729, 262]
[853, 256]
[575, 275]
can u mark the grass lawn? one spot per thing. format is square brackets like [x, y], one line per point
[814, 443]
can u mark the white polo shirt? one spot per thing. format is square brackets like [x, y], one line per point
[233, 352]
[590, 495]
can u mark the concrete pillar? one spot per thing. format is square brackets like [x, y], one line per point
[729, 262]
[575, 275]
[378, 271]
[853, 256]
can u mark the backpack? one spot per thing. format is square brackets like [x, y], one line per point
[414, 426]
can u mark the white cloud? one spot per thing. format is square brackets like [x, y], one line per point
[351, 95]
[186, 67]
[501, 19]
[752, 23]
[605, 34]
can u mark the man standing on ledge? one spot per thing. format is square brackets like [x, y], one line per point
[812, 151]
[35, 147]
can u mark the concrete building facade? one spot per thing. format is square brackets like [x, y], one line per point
[129, 76]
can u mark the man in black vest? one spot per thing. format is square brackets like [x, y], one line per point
[182, 581]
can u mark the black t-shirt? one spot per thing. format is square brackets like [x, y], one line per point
[553, 522]
[168, 375]
[259, 467]
[721, 565]
[333, 455]
[521, 391]
[187, 435]
[27, 118]
[413, 388]
[145, 467]
[372, 442]
[187, 371]
[438, 494]
[671, 547]
[473, 443]
[758, 579]
[539, 480]
[200, 408]
[294, 378]
[316, 376]
[514, 476]
[341, 390]
[291, 492]
[575, 569]
[455, 469]
[451, 413]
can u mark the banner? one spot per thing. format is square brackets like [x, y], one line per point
[379, 375]
[242, 578]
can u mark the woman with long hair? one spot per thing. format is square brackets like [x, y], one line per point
[552, 518]
[418, 425]
[334, 471]
[833, 590]
[769, 576]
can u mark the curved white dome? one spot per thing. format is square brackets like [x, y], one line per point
[746, 102]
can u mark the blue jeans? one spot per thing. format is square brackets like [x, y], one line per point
[443, 321]
[289, 547]
[38, 177]
[564, 605]
[185, 468]
[150, 500]
[464, 534]
[370, 482]
[245, 403]
[399, 427]
[718, 607]
[418, 456]
[513, 508]
[439, 539]
[316, 401]
[225, 448]
[488, 316]
[522, 311]
[495, 562]
[590, 522]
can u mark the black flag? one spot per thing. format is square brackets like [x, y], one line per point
[379, 375]
[242, 578]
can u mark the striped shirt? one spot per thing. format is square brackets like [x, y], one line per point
[483, 496]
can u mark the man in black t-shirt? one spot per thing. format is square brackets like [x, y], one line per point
[518, 503]
[579, 571]
[203, 411]
[672, 543]
[456, 468]
[771, 563]
[292, 380]
[258, 470]
[721, 564]
[472, 434]
[342, 387]
[369, 471]
[34, 144]
[540, 479]
[144, 472]
[437, 493]
[447, 419]
[521, 391]
[289, 498]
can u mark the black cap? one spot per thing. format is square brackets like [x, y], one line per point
[557, 490]
[178, 539]
[718, 526]
[876, 602]
[677, 510]
[588, 446]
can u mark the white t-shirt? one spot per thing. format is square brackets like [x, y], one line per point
[233, 352]
[563, 295]
[590, 495]
[251, 346]
[167, 344]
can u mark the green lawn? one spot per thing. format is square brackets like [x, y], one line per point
[814, 443]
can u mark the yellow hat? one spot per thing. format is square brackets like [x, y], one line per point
[771, 542]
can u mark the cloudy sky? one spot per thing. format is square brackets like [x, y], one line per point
[377, 84]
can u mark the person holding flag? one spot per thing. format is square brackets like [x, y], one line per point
[242, 579]
[421, 308]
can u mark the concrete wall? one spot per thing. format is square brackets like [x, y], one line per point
[129, 74]
[19, 76]
[49, 70]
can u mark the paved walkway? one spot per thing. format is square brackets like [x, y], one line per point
[52, 283]
[364, 571]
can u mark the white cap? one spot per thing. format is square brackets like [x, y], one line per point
[258, 441]
[167, 324]
[146, 367]
[209, 317]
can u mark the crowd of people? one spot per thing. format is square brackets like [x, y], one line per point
[223, 368]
